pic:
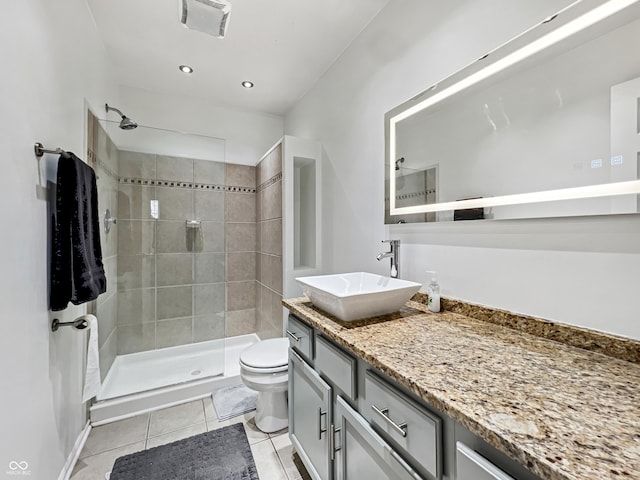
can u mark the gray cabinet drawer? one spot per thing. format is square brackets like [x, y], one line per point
[336, 365]
[413, 430]
[300, 336]
[470, 465]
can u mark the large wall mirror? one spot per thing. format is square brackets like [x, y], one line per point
[546, 125]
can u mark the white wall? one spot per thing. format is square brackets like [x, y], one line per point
[247, 135]
[581, 271]
[52, 60]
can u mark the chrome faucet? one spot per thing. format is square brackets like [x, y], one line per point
[394, 255]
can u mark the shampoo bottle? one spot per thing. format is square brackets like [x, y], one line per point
[433, 290]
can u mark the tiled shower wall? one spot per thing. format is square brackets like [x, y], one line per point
[269, 256]
[102, 155]
[176, 284]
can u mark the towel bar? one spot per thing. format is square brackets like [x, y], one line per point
[78, 324]
[39, 150]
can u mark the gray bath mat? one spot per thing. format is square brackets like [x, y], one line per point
[233, 401]
[223, 454]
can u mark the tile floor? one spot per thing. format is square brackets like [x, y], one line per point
[273, 453]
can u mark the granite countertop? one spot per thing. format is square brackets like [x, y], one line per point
[563, 412]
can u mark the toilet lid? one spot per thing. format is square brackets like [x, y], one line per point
[266, 354]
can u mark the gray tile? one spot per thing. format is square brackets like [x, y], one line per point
[266, 270]
[175, 203]
[105, 149]
[241, 266]
[260, 311]
[284, 449]
[106, 313]
[134, 202]
[206, 171]
[241, 295]
[136, 271]
[271, 233]
[170, 333]
[254, 435]
[174, 237]
[136, 236]
[267, 463]
[209, 327]
[258, 267]
[274, 263]
[116, 434]
[209, 267]
[174, 168]
[209, 205]
[175, 418]
[259, 199]
[271, 165]
[209, 298]
[272, 201]
[174, 269]
[107, 354]
[241, 175]
[210, 237]
[111, 272]
[137, 306]
[176, 435]
[97, 466]
[174, 302]
[240, 322]
[136, 338]
[241, 237]
[240, 207]
[136, 165]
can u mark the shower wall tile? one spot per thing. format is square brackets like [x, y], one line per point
[240, 322]
[174, 269]
[259, 246]
[208, 205]
[240, 207]
[105, 149]
[258, 261]
[174, 302]
[271, 233]
[136, 165]
[241, 237]
[209, 327]
[209, 298]
[241, 295]
[271, 165]
[241, 175]
[137, 306]
[175, 203]
[136, 236]
[136, 271]
[107, 354]
[266, 274]
[210, 237]
[205, 171]
[170, 333]
[136, 338]
[107, 319]
[174, 168]
[111, 272]
[209, 267]
[272, 272]
[241, 266]
[259, 216]
[134, 202]
[173, 237]
[272, 201]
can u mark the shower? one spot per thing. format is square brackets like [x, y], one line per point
[126, 123]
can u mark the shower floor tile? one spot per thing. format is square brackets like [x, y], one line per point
[273, 454]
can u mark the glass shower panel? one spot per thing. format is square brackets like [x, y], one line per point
[170, 256]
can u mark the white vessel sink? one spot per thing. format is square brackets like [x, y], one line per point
[350, 296]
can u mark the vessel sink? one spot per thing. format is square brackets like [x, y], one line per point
[350, 296]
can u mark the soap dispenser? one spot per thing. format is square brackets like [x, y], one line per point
[433, 290]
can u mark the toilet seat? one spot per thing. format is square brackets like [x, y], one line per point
[282, 368]
[267, 355]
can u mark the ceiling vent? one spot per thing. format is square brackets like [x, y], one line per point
[208, 16]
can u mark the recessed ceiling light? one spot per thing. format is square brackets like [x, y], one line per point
[185, 69]
[247, 84]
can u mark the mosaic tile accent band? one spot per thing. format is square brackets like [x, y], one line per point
[414, 194]
[276, 178]
[95, 161]
[176, 184]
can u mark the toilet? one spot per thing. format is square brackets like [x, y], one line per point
[263, 367]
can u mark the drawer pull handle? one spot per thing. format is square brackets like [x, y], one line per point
[320, 429]
[332, 441]
[295, 337]
[384, 412]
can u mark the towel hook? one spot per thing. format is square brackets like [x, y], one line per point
[79, 324]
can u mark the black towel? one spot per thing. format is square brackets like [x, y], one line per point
[77, 272]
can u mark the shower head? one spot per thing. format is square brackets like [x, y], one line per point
[126, 123]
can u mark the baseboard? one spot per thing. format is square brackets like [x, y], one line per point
[65, 474]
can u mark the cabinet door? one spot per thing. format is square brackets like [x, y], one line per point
[361, 453]
[470, 465]
[309, 417]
